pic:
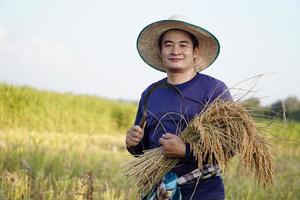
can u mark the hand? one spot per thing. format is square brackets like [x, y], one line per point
[134, 136]
[172, 146]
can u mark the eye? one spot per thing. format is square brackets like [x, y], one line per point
[183, 45]
[167, 45]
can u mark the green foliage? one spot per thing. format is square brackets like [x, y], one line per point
[31, 109]
[122, 116]
[289, 108]
[252, 103]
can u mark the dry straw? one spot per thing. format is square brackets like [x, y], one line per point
[223, 129]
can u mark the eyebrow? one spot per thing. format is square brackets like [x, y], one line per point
[183, 41]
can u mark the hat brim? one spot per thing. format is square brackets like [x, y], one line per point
[147, 43]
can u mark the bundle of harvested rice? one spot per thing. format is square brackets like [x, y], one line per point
[223, 129]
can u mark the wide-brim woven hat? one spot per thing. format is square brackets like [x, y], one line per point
[148, 48]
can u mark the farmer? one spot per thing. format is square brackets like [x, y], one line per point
[181, 50]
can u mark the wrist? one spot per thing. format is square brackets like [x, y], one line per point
[183, 151]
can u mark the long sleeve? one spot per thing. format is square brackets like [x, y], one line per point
[189, 157]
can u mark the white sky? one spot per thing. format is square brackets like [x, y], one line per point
[89, 47]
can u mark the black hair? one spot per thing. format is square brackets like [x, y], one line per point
[193, 38]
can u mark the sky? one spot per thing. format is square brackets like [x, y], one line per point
[89, 47]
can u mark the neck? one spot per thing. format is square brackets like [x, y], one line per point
[178, 78]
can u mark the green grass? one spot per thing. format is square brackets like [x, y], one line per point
[29, 109]
[56, 165]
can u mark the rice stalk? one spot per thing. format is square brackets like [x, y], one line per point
[222, 130]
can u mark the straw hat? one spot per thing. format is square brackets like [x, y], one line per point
[147, 42]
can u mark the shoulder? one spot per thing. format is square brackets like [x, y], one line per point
[209, 80]
[213, 87]
[151, 86]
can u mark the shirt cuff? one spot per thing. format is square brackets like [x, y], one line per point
[188, 152]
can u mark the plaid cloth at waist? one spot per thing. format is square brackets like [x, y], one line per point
[208, 171]
[169, 188]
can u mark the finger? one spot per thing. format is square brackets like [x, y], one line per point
[161, 141]
[137, 128]
[136, 134]
[134, 142]
[131, 144]
[163, 150]
[168, 136]
[134, 131]
[131, 140]
[134, 139]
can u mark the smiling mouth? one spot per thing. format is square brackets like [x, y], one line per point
[175, 59]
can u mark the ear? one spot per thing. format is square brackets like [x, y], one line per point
[196, 52]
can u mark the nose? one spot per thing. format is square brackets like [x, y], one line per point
[175, 50]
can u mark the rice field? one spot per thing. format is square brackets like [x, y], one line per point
[63, 146]
[54, 165]
[36, 165]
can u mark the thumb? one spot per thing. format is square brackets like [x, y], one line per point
[168, 136]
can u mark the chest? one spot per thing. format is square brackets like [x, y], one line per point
[170, 112]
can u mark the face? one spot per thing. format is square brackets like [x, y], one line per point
[177, 51]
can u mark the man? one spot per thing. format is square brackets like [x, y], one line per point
[181, 50]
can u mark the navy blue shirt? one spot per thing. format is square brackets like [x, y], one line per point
[169, 111]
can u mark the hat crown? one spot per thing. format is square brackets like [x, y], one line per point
[179, 18]
[148, 48]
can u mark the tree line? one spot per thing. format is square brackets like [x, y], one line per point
[288, 108]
